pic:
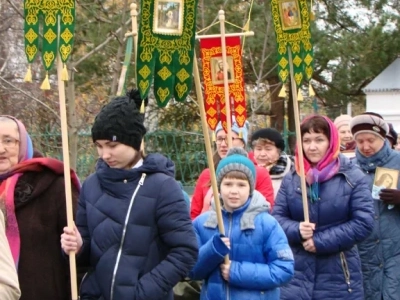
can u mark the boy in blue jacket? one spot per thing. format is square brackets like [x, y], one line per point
[260, 259]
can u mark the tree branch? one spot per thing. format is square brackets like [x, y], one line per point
[30, 96]
[103, 44]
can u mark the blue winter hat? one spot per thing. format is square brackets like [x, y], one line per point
[236, 160]
[235, 128]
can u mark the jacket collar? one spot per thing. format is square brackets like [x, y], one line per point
[247, 213]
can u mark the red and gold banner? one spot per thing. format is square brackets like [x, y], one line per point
[214, 97]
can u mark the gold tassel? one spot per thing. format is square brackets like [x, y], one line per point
[311, 91]
[300, 96]
[213, 136]
[46, 83]
[312, 15]
[240, 133]
[142, 107]
[28, 75]
[282, 93]
[64, 73]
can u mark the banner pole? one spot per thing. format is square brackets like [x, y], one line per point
[221, 16]
[204, 125]
[67, 169]
[298, 138]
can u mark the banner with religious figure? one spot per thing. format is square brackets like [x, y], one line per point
[292, 28]
[166, 48]
[213, 76]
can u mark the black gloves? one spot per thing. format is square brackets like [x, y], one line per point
[390, 196]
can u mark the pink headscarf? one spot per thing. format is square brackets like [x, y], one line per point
[329, 165]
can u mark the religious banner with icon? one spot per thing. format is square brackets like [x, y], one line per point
[214, 98]
[58, 23]
[292, 28]
[166, 48]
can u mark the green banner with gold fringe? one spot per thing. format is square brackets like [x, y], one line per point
[292, 28]
[45, 14]
[166, 48]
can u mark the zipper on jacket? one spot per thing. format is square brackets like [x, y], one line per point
[346, 271]
[229, 236]
[347, 180]
[128, 214]
[80, 285]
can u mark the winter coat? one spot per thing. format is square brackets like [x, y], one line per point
[40, 208]
[9, 286]
[261, 259]
[263, 185]
[380, 252]
[136, 230]
[343, 215]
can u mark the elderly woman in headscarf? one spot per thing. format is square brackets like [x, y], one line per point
[342, 124]
[380, 253]
[327, 263]
[32, 197]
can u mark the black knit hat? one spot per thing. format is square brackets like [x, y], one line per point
[121, 121]
[269, 134]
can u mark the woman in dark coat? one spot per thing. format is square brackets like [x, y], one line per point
[327, 263]
[133, 225]
[32, 196]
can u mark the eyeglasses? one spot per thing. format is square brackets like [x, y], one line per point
[9, 142]
[225, 139]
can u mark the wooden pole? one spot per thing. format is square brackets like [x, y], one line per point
[221, 15]
[298, 138]
[134, 15]
[204, 125]
[67, 169]
[211, 36]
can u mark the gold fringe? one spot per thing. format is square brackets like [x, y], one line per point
[312, 15]
[64, 73]
[214, 138]
[28, 75]
[282, 92]
[240, 133]
[300, 96]
[311, 91]
[46, 83]
[142, 107]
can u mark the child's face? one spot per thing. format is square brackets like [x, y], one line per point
[234, 193]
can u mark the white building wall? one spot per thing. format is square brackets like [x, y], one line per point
[387, 105]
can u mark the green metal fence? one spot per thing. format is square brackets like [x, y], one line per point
[185, 149]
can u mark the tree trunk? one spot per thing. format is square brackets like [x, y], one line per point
[72, 122]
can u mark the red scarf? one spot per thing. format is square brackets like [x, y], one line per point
[7, 189]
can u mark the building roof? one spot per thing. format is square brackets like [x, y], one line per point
[387, 81]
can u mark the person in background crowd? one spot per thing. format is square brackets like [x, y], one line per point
[9, 286]
[260, 259]
[132, 227]
[268, 152]
[397, 147]
[347, 143]
[32, 190]
[201, 199]
[380, 253]
[340, 205]
[392, 136]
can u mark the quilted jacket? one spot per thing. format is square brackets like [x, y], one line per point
[137, 233]
[261, 259]
[343, 215]
[380, 253]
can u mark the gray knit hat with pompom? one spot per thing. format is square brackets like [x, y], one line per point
[236, 160]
